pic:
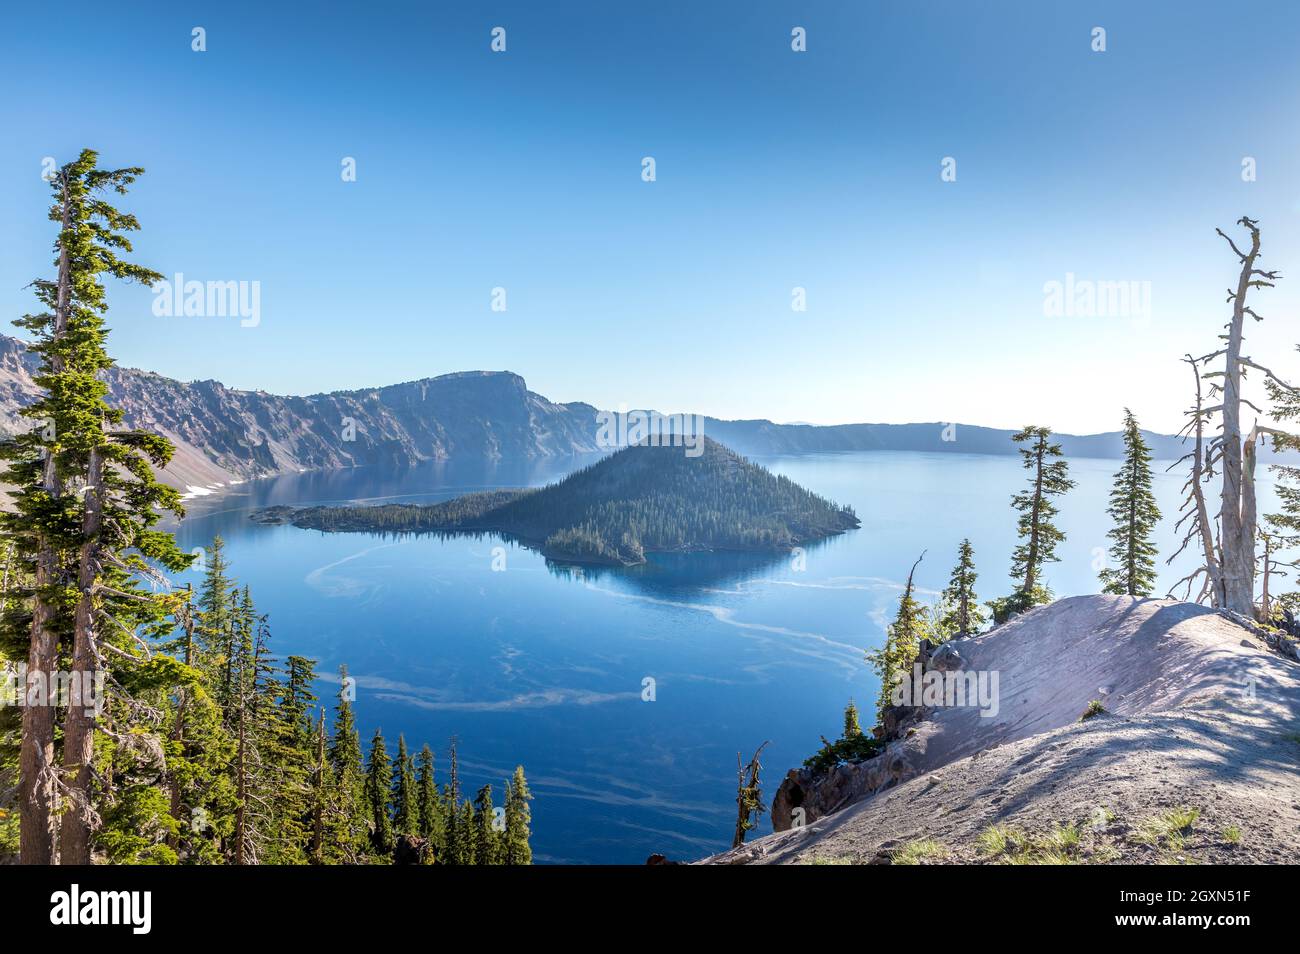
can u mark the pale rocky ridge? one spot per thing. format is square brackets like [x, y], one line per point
[1201, 714]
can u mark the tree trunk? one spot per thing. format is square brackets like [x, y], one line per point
[1032, 563]
[318, 815]
[178, 732]
[79, 729]
[37, 792]
[1237, 497]
[241, 803]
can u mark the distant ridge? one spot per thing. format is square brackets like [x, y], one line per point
[223, 435]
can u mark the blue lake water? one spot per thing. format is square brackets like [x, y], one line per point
[543, 666]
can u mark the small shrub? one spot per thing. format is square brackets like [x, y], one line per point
[856, 748]
[1232, 835]
[1092, 710]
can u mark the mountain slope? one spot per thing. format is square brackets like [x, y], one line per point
[224, 435]
[641, 499]
[1202, 726]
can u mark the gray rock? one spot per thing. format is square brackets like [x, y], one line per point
[946, 658]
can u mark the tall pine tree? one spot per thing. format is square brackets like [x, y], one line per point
[517, 850]
[84, 504]
[405, 816]
[378, 781]
[893, 661]
[1049, 477]
[961, 613]
[1133, 508]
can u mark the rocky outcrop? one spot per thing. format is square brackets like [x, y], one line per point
[411, 850]
[807, 795]
[1201, 722]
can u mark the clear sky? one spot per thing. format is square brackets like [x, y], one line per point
[775, 169]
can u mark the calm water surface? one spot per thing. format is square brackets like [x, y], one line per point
[543, 666]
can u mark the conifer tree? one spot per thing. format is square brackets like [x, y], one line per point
[345, 760]
[84, 504]
[322, 796]
[893, 661]
[215, 603]
[852, 725]
[463, 851]
[405, 816]
[426, 802]
[300, 676]
[453, 837]
[1133, 508]
[378, 778]
[962, 615]
[517, 850]
[1049, 478]
[488, 842]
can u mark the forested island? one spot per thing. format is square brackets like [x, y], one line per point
[640, 500]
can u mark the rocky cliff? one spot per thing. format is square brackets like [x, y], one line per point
[223, 435]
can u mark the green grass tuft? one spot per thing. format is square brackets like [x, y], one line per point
[919, 852]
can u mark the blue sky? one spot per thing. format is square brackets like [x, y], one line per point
[775, 169]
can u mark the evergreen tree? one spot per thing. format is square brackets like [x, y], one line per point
[345, 760]
[961, 615]
[426, 801]
[405, 817]
[300, 676]
[518, 819]
[488, 842]
[215, 603]
[454, 838]
[323, 798]
[288, 751]
[893, 661]
[378, 776]
[1049, 478]
[852, 726]
[84, 503]
[463, 851]
[1133, 508]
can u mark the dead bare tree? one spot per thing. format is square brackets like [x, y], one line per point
[1229, 557]
[749, 795]
[1195, 513]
